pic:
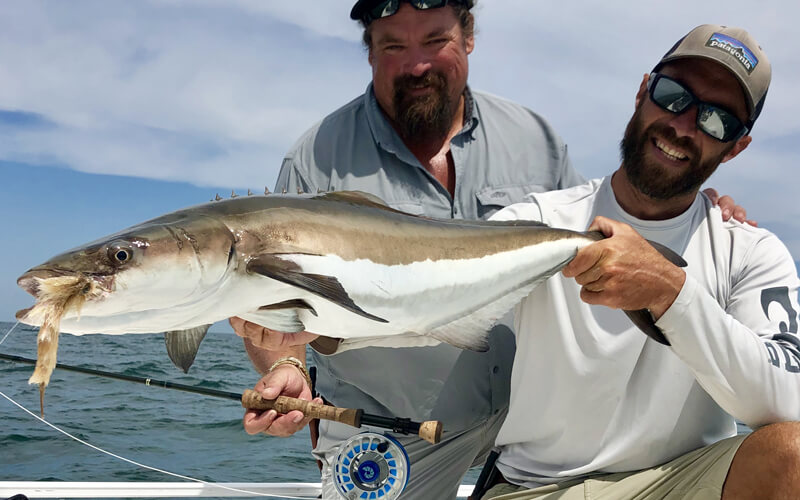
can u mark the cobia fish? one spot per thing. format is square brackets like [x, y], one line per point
[342, 265]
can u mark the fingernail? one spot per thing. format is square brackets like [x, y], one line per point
[270, 393]
[726, 213]
[272, 415]
[297, 419]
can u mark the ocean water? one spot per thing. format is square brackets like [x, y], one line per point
[185, 433]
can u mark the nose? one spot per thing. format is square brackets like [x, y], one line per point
[418, 62]
[685, 124]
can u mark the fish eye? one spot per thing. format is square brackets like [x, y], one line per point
[120, 253]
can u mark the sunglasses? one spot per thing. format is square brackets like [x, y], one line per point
[388, 8]
[713, 120]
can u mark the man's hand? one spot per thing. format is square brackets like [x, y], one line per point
[624, 271]
[269, 339]
[284, 380]
[729, 207]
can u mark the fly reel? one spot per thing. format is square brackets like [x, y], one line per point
[370, 466]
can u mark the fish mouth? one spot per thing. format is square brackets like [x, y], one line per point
[31, 281]
[44, 284]
[59, 289]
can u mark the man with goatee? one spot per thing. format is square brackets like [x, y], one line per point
[600, 410]
[426, 143]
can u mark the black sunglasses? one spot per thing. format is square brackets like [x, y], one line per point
[388, 8]
[714, 120]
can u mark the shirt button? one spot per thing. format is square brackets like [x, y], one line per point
[495, 369]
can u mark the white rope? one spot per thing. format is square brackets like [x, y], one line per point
[154, 469]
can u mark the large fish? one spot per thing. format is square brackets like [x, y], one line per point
[342, 265]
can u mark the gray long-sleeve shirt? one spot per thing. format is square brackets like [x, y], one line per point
[503, 152]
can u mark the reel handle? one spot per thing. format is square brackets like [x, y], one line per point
[284, 404]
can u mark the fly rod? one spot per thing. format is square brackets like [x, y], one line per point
[430, 430]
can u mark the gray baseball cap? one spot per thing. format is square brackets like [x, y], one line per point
[737, 51]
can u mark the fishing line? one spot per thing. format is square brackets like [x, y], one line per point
[138, 464]
[9, 332]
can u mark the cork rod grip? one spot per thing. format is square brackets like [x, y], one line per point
[283, 404]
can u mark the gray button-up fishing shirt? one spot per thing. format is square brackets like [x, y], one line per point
[503, 152]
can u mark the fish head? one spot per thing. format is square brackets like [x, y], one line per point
[161, 264]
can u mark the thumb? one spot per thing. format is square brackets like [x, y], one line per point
[603, 224]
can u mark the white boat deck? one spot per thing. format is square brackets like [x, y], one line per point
[135, 489]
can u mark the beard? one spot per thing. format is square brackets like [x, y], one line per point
[654, 180]
[423, 118]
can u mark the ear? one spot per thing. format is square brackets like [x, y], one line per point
[642, 90]
[469, 44]
[740, 146]
[369, 56]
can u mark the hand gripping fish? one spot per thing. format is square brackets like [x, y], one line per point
[342, 265]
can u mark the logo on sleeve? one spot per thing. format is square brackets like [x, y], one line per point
[734, 47]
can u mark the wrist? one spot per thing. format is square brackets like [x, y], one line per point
[676, 281]
[291, 360]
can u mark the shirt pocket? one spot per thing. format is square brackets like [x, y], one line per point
[494, 198]
[407, 206]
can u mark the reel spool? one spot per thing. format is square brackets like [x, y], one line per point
[370, 466]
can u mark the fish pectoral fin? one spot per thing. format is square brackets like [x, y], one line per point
[289, 304]
[644, 321]
[182, 345]
[286, 320]
[327, 287]
[282, 316]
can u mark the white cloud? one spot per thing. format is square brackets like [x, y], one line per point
[213, 92]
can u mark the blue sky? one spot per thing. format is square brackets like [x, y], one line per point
[112, 112]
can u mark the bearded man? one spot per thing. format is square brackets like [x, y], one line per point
[426, 143]
[615, 413]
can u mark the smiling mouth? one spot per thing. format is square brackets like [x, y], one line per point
[670, 153]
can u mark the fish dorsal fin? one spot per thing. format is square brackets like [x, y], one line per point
[361, 198]
[327, 287]
[182, 345]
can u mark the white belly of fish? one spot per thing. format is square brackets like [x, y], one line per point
[427, 297]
